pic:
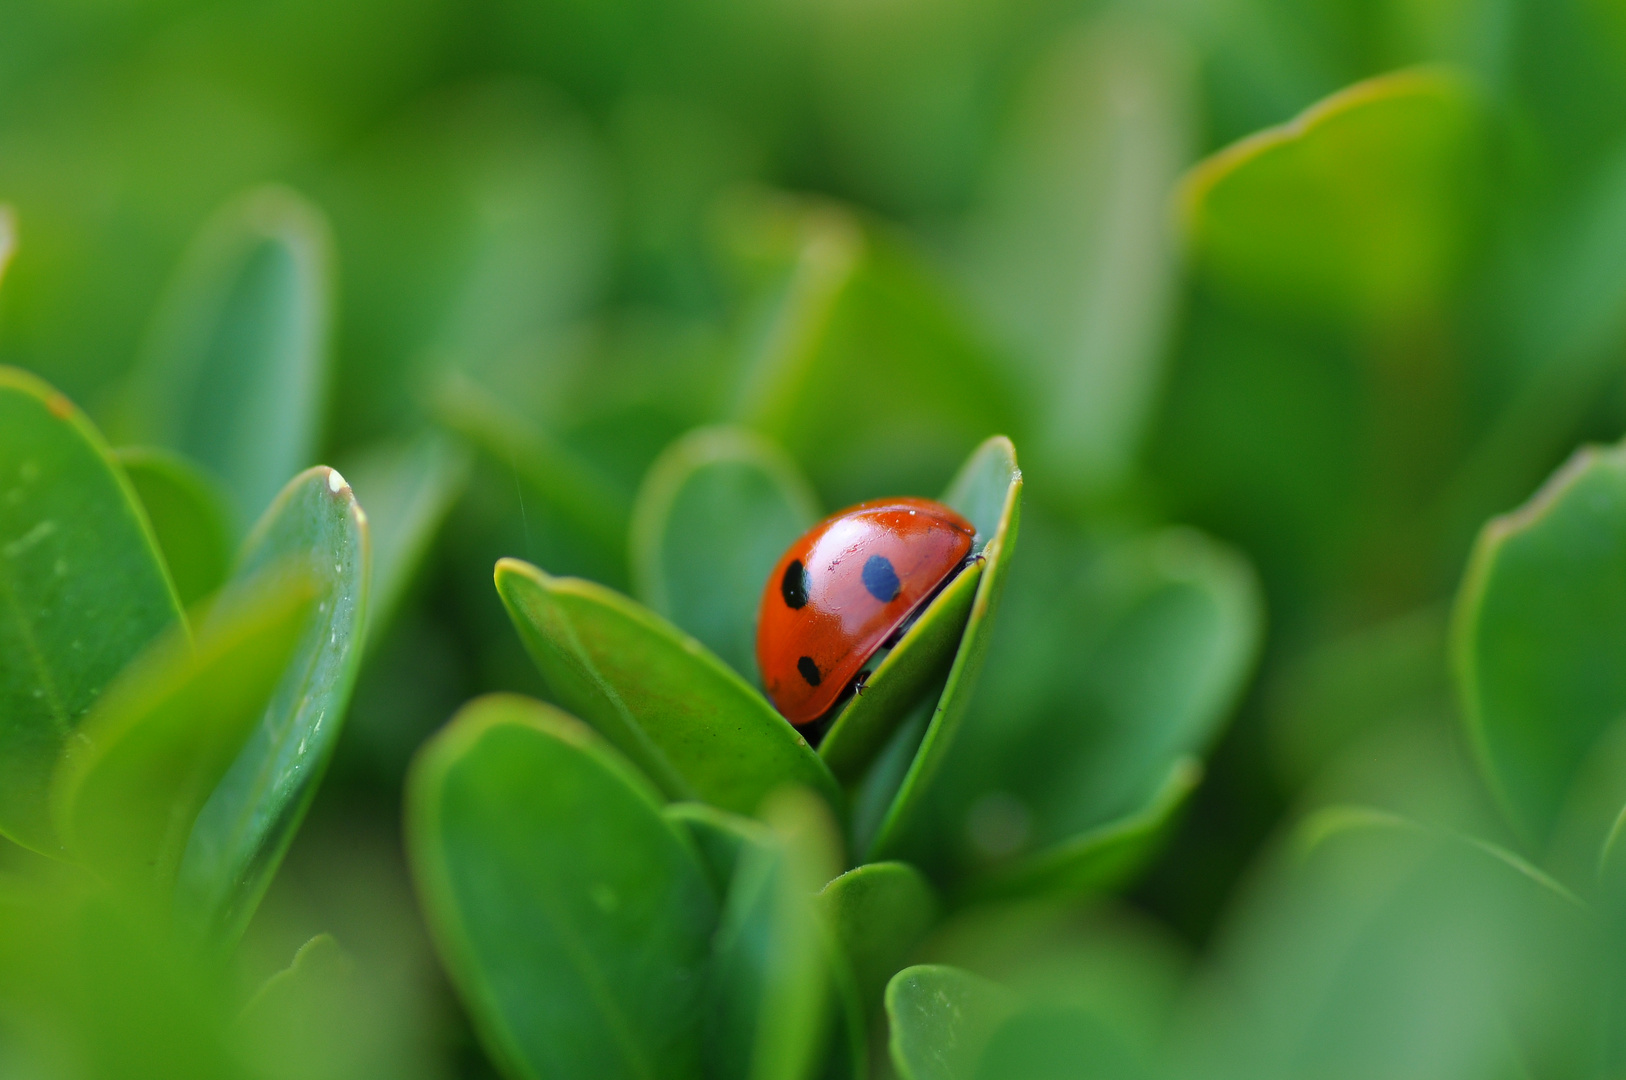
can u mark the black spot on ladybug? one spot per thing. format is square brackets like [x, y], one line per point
[793, 587]
[809, 670]
[880, 579]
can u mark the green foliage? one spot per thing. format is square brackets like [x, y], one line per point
[1391, 944]
[984, 492]
[126, 796]
[769, 987]
[235, 372]
[1354, 210]
[574, 917]
[315, 529]
[408, 488]
[988, 492]
[674, 709]
[879, 913]
[85, 590]
[715, 512]
[863, 726]
[189, 519]
[942, 1019]
[1538, 627]
[174, 756]
[1281, 302]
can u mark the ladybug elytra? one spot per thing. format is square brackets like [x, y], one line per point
[844, 590]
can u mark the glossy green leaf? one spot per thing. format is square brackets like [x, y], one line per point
[317, 527]
[985, 491]
[573, 918]
[406, 488]
[1357, 208]
[188, 516]
[1100, 858]
[769, 990]
[1540, 621]
[869, 719]
[683, 716]
[82, 590]
[128, 790]
[716, 511]
[863, 727]
[1071, 254]
[879, 913]
[1110, 667]
[988, 492]
[235, 371]
[941, 1020]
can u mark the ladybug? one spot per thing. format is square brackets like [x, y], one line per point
[850, 585]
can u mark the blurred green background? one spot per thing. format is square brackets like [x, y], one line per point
[567, 232]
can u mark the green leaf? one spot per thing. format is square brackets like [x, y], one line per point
[189, 517]
[234, 374]
[865, 724]
[317, 961]
[879, 912]
[919, 660]
[1099, 859]
[719, 836]
[316, 526]
[1358, 208]
[1126, 971]
[290, 1025]
[683, 716]
[1071, 253]
[1372, 947]
[300, 1023]
[129, 788]
[572, 917]
[875, 791]
[82, 590]
[1110, 668]
[407, 488]
[1539, 624]
[988, 492]
[716, 511]
[941, 1019]
[769, 991]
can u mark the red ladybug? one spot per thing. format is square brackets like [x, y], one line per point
[844, 588]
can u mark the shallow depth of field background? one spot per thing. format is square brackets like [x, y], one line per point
[572, 205]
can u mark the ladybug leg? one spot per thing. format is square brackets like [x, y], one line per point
[860, 682]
